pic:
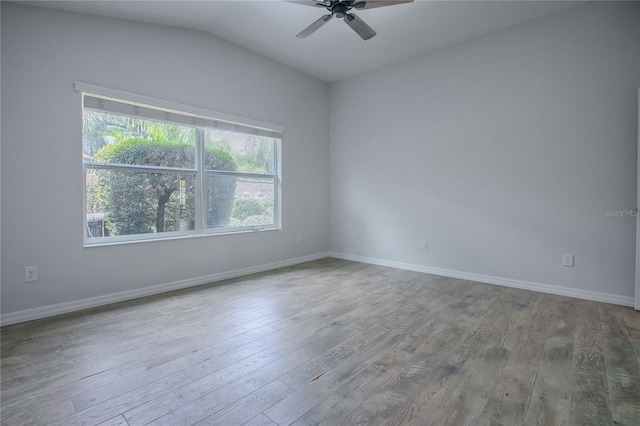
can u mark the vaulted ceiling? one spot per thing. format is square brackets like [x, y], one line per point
[334, 52]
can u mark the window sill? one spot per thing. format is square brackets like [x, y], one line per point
[180, 237]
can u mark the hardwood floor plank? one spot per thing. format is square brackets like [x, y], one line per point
[177, 351]
[116, 421]
[270, 363]
[160, 328]
[550, 400]
[68, 371]
[212, 396]
[349, 396]
[388, 400]
[259, 420]
[441, 311]
[37, 411]
[623, 370]
[248, 358]
[220, 354]
[590, 400]
[402, 388]
[318, 378]
[508, 401]
[113, 407]
[304, 374]
[619, 351]
[522, 323]
[106, 392]
[53, 404]
[625, 400]
[477, 347]
[328, 342]
[292, 407]
[205, 410]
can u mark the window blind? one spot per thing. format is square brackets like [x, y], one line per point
[124, 103]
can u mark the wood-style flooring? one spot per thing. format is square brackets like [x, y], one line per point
[328, 342]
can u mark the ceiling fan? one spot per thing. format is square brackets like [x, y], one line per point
[342, 9]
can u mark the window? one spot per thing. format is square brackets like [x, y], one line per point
[152, 171]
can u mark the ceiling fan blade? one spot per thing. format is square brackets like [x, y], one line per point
[311, 3]
[315, 26]
[371, 4]
[359, 26]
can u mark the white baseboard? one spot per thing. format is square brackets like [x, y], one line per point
[507, 282]
[92, 302]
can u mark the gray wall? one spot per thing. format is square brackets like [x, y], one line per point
[503, 152]
[43, 53]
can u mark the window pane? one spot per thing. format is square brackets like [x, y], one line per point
[241, 152]
[130, 151]
[128, 203]
[112, 138]
[239, 201]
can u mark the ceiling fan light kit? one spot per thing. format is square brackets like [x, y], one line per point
[341, 9]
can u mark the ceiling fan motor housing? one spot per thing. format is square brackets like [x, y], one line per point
[340, 9]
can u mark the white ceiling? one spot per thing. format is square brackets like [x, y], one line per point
[334, 52]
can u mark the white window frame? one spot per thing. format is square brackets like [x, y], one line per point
[198, 172]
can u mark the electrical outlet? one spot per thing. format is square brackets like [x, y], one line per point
[30, 274]
[298, 239]
[422, 244]
[567, 260]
